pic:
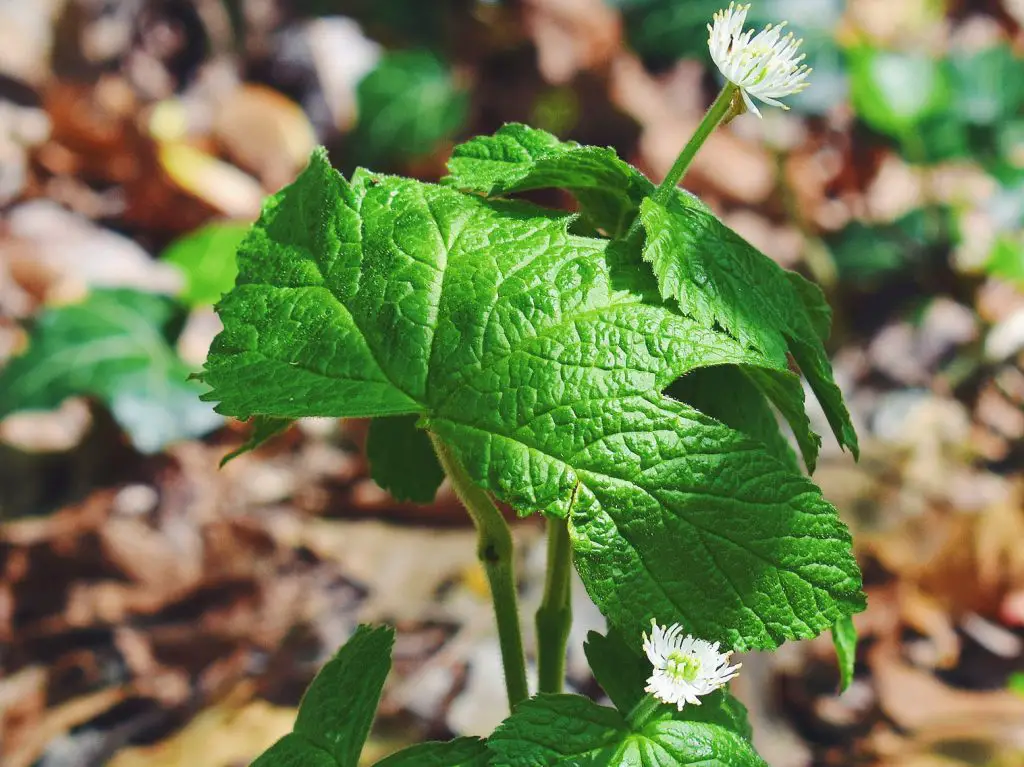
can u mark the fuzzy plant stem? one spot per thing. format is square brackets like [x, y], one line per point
[722, 107]
[496, 553]
[727, 105]
[554, 616]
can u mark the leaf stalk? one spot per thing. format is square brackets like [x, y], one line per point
[496, 553]
[554, 616]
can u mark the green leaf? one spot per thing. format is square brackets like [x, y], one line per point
[263, 428]
[407, 105]
[337, 710]
[115, 346]
[718, 277]
[618, 667]
[558, 730]
[1006, 260]
[727, 394]
[207, 258]
[293, 751]
[893, 92]
[461, 752]
[987, 87]
[869, 254]
[511, 340]
[518, 158]
[572, 730]
[844, 637]
[402, 460]
[622, 672]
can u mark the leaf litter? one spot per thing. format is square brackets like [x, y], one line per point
[153, 608]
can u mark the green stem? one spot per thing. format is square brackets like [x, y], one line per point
[554, 616]
[646, 709]
[724, 107]
[721, 108]
[496, 553]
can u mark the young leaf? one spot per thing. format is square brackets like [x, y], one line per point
[294, 751]
[263, 428]
[338, 708]
[572, 730]
[510, 338]
[407, 105]
[518, 158]
[461, 752]
[115, 346]
[844, 637]
[718, 277]
[619, 668]
[207, 258]
[402, 460]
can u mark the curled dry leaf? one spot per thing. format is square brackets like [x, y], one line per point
[572, 36]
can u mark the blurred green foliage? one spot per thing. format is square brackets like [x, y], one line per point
[207, 259]
[407, 105]
[116, 346]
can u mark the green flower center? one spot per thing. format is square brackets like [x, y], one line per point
[682, 667]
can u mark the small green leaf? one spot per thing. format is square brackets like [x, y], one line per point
[550, 730]
[893, 92]
[719, 278]
[618, 667]
[338, 708]
[402, 459]
[207, 258]
[407, 105]
[294, 751]
[263, 428]
[115, 346]
[1016, 683]
[844, 637]
[1006, 260]
[987, 87]
[518, 158]
[461, 752]
[870, 254]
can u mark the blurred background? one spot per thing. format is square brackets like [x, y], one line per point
[157, 610]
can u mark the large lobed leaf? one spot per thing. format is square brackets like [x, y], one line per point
[516, 344]
[705, 268]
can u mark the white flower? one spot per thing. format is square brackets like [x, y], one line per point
[684, 668]
[765, 67]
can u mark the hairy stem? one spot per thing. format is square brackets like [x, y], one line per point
[496, 553]
[554, 616]
[724, 107]
[718, 111]
[646, 709]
